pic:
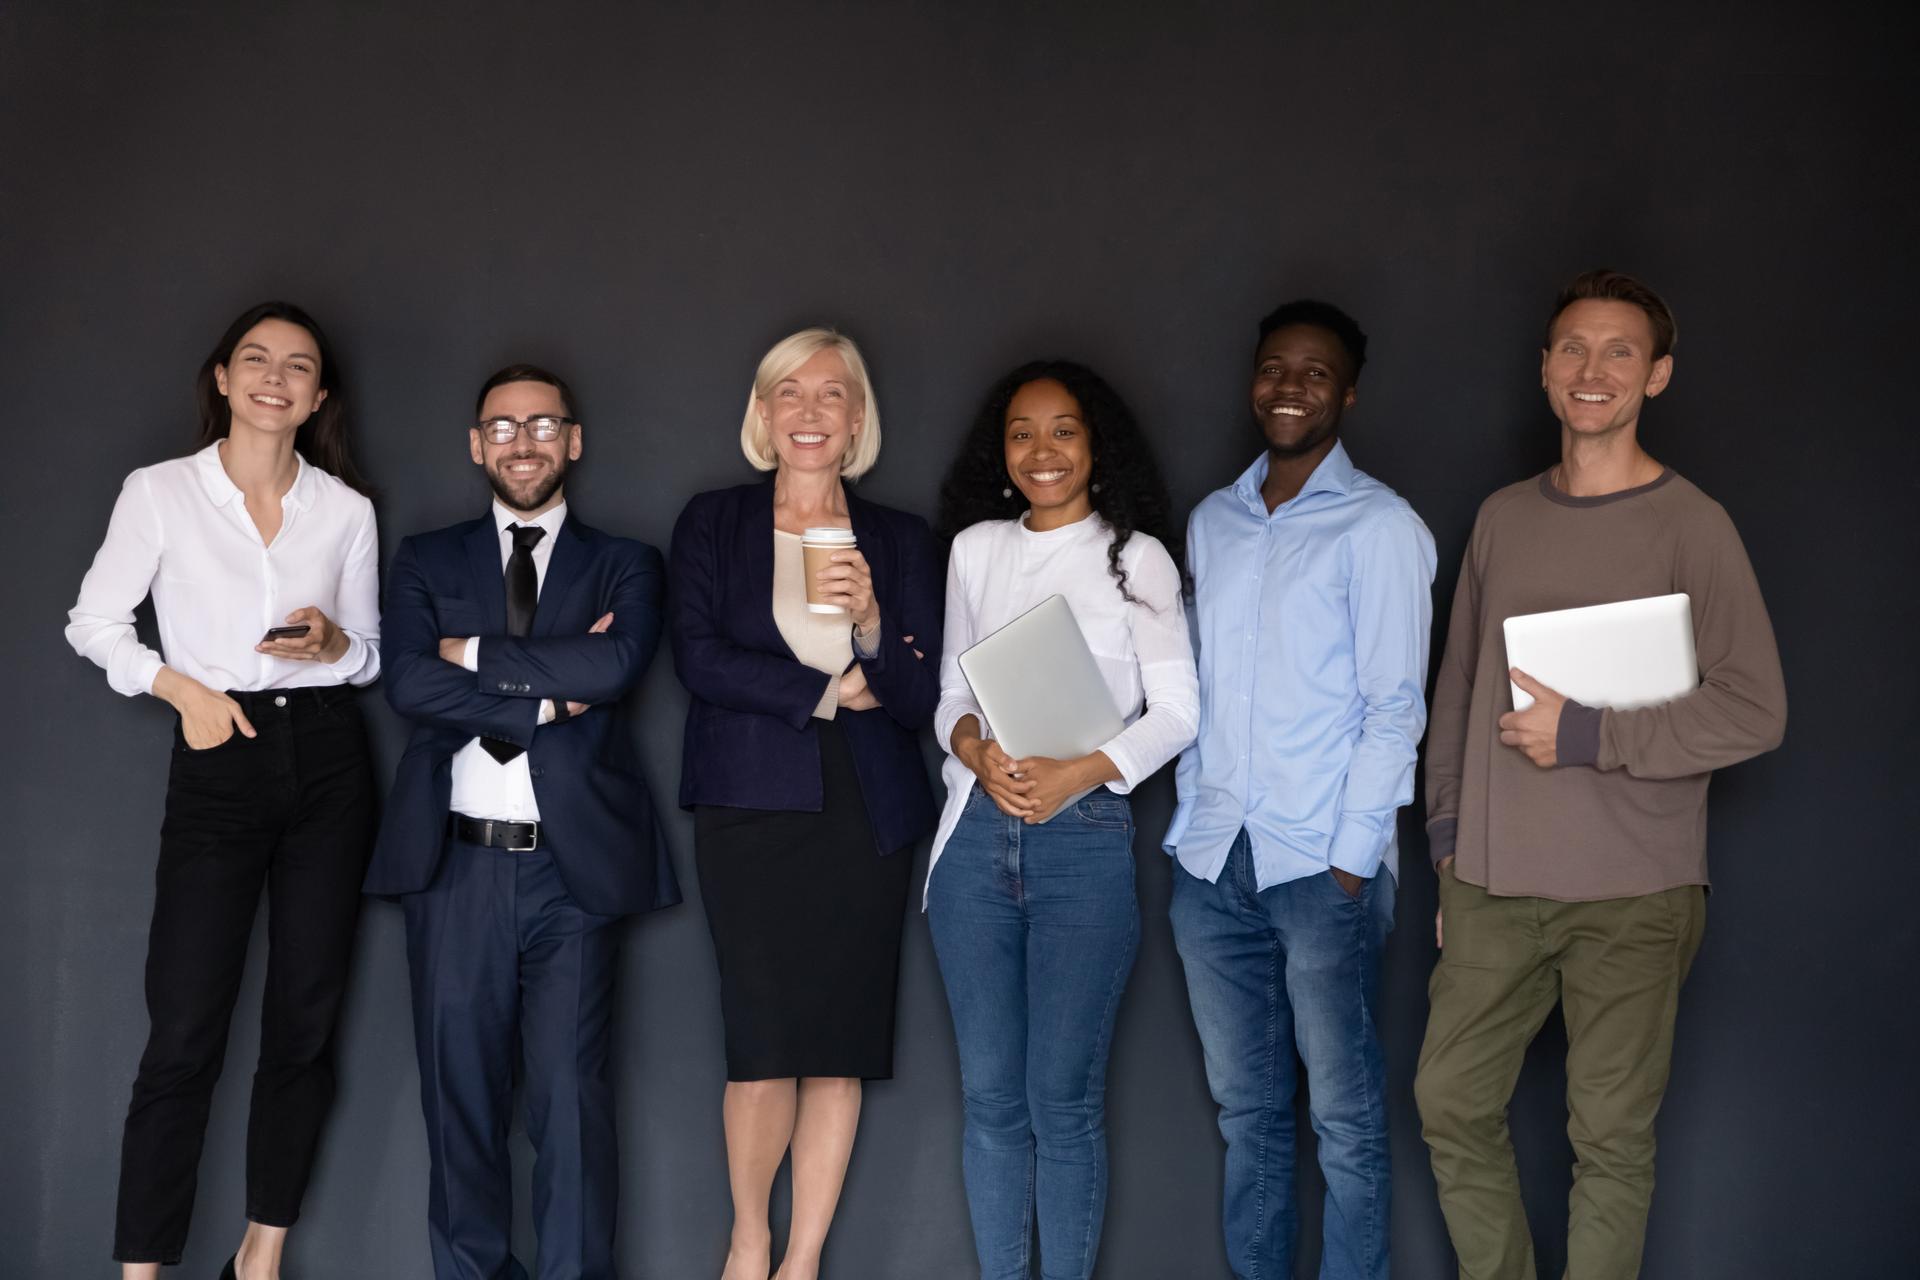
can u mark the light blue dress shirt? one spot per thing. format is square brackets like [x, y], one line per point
[1310, 627]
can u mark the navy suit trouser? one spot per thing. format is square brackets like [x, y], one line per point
[501, 956]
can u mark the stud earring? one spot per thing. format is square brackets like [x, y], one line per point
[1006, 491]
[1096, 486]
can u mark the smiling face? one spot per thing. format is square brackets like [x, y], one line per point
[1302, 383]
[813, 414]
[527, 474]
[1598, 366]
[271, 381]
[1049, 452]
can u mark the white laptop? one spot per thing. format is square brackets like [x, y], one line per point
[1634, 653]
[1040, 687]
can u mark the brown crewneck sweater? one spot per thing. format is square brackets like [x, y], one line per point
[1625, 811]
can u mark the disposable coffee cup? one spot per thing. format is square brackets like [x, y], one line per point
[816, 546]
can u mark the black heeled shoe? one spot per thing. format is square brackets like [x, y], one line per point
[227, 1272]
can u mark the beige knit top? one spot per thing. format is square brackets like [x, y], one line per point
[823, 641]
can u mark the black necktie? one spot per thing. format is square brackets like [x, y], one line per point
[523, 593]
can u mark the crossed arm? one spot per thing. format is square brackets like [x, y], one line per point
[517, 674]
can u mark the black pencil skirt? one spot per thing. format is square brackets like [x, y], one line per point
[806, 920]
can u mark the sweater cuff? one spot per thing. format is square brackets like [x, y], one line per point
[829, 705]
[1440, 838]
[1578, 741]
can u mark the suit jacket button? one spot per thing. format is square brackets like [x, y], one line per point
[538, 772]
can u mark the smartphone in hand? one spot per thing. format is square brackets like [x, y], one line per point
[286, 633]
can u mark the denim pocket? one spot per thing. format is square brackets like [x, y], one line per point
[1111, 813]
[1341, 889]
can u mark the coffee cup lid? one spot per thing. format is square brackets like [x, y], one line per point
[827, 533]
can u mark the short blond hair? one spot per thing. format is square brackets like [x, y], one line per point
[777, 366]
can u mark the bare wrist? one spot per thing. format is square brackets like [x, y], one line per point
[1096, 770]
[168, 685]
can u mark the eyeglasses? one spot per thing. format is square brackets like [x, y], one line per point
[507, 430]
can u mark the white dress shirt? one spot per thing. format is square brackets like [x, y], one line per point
[180, 532]
[482, 786]
[1000, 569]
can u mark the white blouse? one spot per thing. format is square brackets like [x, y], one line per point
[1000, 569]
[180, 532]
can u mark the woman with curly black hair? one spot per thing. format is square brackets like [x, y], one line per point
[1031, 899]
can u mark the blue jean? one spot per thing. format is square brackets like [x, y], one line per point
[1293, 969]
[1036, 928]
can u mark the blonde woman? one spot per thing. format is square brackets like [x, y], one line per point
[803, 769]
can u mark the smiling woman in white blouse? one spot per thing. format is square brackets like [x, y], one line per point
[1031, 898]
[261, 557]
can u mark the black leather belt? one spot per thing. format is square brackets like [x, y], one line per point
[515, 837]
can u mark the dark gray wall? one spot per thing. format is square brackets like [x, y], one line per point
[646, 197]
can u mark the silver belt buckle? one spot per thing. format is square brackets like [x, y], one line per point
[527, 848]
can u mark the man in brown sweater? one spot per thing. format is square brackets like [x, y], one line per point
[1570, 841]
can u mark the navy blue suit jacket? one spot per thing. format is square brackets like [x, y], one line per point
[595, 812]
[751, 741]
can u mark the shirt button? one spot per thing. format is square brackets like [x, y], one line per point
[280, 701]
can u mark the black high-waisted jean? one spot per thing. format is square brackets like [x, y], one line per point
[291, 809]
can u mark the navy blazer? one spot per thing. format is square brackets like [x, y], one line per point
[595, 812]
[751, 741]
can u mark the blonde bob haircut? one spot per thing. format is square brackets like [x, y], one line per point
[777, 366]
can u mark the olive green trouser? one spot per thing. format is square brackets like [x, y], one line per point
[1616, 967]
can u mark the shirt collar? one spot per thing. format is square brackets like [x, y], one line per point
[221, 490]
[550, 520]
[301, 495]
[1333, 475]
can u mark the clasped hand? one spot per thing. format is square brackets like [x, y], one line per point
[1032, 789]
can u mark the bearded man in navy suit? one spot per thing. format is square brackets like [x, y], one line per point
[519, 830]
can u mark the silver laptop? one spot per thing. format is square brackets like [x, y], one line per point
[1635, 653]
[1040, 687]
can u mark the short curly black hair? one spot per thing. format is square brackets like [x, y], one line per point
[1323, 315]
[1132, 495]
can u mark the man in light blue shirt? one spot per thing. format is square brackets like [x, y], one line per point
[1313, 602]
